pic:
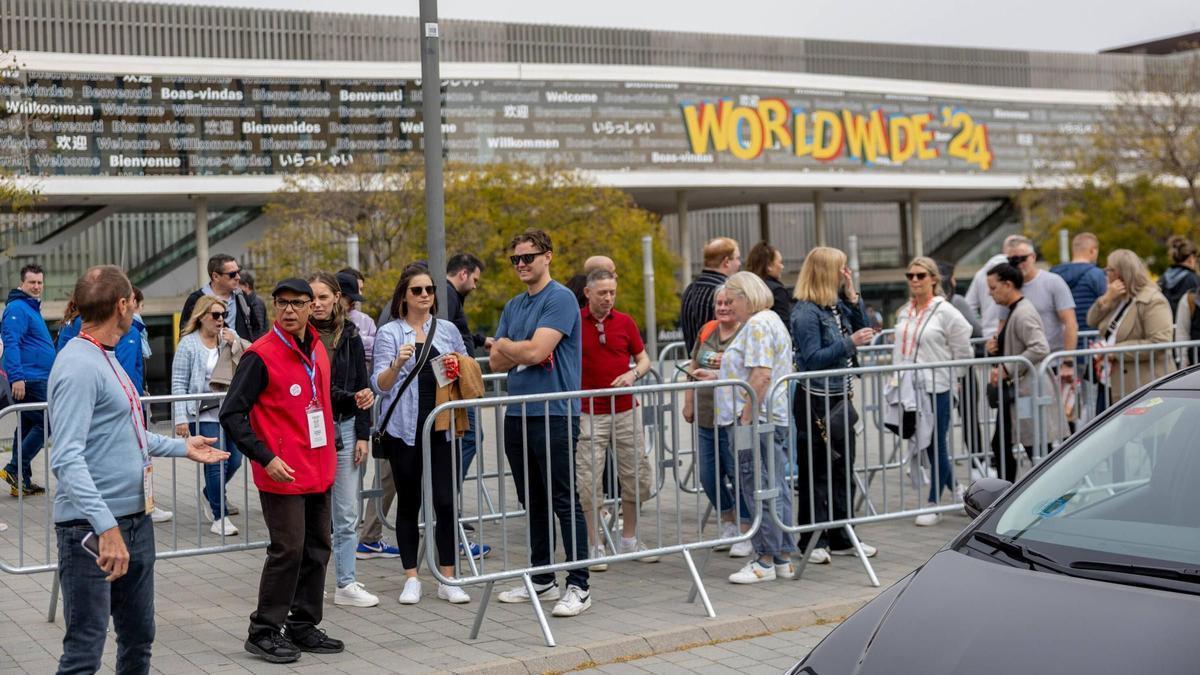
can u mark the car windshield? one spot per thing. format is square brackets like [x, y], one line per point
[1129, 489]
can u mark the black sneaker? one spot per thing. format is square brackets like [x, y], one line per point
[272, 647]
[317, 642]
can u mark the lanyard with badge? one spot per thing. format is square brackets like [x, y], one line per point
[317, 437]
[136, 419]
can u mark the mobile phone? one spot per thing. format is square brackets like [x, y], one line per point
[91, 544]
[685, 371]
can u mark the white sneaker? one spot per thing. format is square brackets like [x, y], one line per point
[634, 547]
[519, 594]
[411, 594]
[741, 549]
[819, 556]
[224, 526]
[752, 573]
[354, 595]
[161, 515]
[728, 531]
[867, 548]
[598, 552]
[453, 594]
[960, 491]
[928, 519]
[786, 570]
[573, 603]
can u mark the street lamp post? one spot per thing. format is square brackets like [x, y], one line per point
[431, 115]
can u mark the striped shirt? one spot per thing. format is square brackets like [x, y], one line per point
[696, 306]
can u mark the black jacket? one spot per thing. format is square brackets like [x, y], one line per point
[783, 299]
[258, 314]
[348, 375]
[458, 317]
[247, 328]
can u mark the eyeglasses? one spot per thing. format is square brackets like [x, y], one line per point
[916, 276]
[525, 258]
[1015, 260]
[297, 305]
[219, 316]
[232, 275]
[422, 290]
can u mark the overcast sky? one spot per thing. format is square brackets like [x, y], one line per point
[1059, 25]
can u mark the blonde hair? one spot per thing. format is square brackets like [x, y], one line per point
[1130, 268]
[717, 250]
[203, 306]
[931, 267]
[820, 276]
[752, 288]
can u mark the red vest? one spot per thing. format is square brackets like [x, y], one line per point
[279, 417]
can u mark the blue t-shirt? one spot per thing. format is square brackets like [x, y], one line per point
[554, 307]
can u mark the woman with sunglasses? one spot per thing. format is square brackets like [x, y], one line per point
[204, 337]
[928, 330]
[398, 347]
[352, 398]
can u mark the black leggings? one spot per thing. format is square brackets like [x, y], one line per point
[406, 464]
[831, 499]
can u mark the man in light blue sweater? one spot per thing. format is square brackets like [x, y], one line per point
[105, 490]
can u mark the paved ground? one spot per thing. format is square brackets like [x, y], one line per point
[765, 655]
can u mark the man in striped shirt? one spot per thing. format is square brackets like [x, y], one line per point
[722, 257]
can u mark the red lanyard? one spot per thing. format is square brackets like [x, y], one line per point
[907, 348]
[135, 401]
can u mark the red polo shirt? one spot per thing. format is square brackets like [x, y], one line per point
[603, 363]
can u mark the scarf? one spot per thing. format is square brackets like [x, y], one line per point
[329, 331]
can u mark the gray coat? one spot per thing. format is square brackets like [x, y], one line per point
[1024, 336]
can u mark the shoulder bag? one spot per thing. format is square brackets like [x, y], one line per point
[377, 437]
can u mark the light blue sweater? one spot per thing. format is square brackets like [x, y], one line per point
[95, 457]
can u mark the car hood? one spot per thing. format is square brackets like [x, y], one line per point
[960, 614]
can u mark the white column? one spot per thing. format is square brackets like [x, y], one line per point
[685, 235]
[201, 210]
[918, 233]
[819, 219]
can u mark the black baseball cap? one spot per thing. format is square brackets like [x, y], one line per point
[295, 285]
[348, 285]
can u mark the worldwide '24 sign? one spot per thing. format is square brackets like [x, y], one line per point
[745, 131]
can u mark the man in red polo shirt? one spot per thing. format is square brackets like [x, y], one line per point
[610, 341]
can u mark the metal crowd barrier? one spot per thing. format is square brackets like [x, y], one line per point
[668, 522]
[670, 354]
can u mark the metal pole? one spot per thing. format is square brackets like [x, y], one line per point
[1064, 253]
[918, 228]
[431, 116]
[201, 210]
[819, 219]
[852, 255]
[685, 236]
[352, 251]
[648, 280]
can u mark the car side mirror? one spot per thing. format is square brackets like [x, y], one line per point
[982, 494]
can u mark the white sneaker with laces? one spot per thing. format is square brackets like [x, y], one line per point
[928, 519]
[224, 526]
[728, 531]
[573, 603]
[819, 556]
[598, 552]
[354, 595]
[161, 515]
[635, 546]
[867, 549]
[411, 594]
[519, 594]
[786, 570]
[752, 573]
[741, 549]
[453, 594]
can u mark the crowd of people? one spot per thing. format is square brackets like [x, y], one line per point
[299, 393]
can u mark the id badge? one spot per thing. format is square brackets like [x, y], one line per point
[148, 486]
[316, 427]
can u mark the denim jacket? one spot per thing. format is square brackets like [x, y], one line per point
[819, 342]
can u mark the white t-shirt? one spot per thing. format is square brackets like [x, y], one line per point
[210, 363]
[763, 342]
[1049, 295]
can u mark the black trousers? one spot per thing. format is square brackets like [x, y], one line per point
[407, 468]
[1004, 437]
[831, 465]
[291, 592]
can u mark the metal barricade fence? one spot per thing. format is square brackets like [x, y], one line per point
[188, 532]
[540, 443]
[826, 432]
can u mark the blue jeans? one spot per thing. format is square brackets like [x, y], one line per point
[214, 488]
[770, 539]
[468, 448]
[344, 506]
[33, 423]
[941, 478]
[89, 600]
[714, 441]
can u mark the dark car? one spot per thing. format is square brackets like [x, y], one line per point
[1089, 564]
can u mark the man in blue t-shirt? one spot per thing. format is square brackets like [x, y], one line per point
[538, 344]
[1085, 279]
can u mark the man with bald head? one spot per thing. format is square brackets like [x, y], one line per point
[599, 262]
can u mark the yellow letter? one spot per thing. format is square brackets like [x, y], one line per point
[924, 136]
[707, 124]
[802, 146]
[827, 146]
[903, 139]
[754, 127]
[774, 115]
[866, 137]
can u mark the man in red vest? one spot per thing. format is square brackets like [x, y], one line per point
[278, 412]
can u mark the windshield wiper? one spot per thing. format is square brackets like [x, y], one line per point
[1186, 574]
[1020, 552]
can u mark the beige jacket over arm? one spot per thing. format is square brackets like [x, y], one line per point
[1148, 321]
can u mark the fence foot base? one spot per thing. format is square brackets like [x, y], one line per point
[538, 611]
[812, 544]
[698, 585]
[52, 612]
[858, 549]
[483, 605]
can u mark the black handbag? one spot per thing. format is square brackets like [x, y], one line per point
[377, 437]
[995, 392]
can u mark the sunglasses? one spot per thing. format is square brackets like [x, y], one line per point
[1015, 260]
[916, 276]
[600, 329]
[525, 258]
[219, 316]
[297, 305]
[232, 275]
[422, 290]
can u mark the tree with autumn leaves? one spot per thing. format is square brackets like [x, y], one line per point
[486, 205]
